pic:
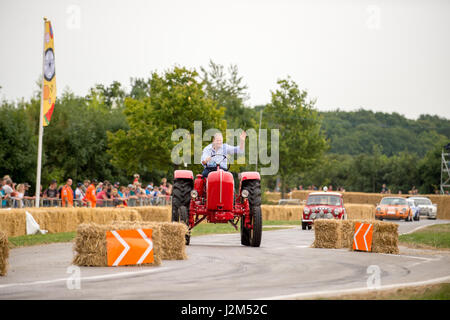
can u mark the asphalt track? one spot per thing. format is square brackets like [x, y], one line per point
[284, 267]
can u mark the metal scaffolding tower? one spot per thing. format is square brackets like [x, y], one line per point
[445, 172]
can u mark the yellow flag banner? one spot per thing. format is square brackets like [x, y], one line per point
[49, 87]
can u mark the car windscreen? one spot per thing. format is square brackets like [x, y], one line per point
[424, 202]
[393, 201]
[324, 200]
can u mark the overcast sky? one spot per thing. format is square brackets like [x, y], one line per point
[390, 56]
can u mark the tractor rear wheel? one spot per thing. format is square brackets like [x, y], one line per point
[181, 199]
[180, 196]
[254, 198]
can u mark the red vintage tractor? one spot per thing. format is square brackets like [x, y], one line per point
[213, 199]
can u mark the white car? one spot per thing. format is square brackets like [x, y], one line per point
[426, 208]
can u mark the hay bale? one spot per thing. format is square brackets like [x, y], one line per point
[173, 240]
[90, 242]
[155, 213]
[337, 234]
[275, 212]
[106, 215]
[328, 233]
[360, 211]
[348, 229]
[300, 194]
[272, 196]
[384, 236]
[4, 253]
[55, 219]
[13, 222]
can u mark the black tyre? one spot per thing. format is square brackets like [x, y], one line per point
[184, 218]
[309, 226]
[304, 225]
[245, 234]
[181, 196]
[254, 199]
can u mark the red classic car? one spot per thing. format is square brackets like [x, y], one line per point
[322, 205]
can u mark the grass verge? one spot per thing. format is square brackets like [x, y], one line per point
[36, 239]
[439, 291]
[432, 237]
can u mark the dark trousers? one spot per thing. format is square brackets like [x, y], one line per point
[207, 170]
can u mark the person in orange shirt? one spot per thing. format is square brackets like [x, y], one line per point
[91, 195]
[67, 194]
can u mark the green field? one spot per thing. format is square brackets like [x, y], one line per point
[436, 236]
[201, 229]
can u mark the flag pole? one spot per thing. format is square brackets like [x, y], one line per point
[41, 128]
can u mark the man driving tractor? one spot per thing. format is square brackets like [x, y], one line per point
[216, 152]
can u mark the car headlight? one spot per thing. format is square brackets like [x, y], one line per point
[337, 211]
[306, 211]
[194, 194]
[244, 193]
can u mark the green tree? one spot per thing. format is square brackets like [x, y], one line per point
[301, 140]
[174, 101]
[18, 144]
[228, 90]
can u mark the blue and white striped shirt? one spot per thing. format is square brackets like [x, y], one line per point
[216, 156]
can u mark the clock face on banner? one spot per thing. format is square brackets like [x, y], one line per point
[49, 64]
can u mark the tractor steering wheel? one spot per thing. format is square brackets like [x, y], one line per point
[224, 157]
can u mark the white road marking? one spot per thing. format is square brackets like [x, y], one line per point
[99, 277]
[355, 290]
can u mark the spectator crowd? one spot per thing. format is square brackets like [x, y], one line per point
[86, 194]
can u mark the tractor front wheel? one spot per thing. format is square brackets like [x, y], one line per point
[183, 217]
[245, 234]
[254, 198]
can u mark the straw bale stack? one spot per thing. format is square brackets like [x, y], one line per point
[384, 236]
[173, 240]
[13, 222]
[55, 219]
[106, 215]
[90, 242]
[360, 211]
[328, 233]
[275, 212]
[300, 194]
[272, 196]
[337, 234]
[155, 213]
[4, 253]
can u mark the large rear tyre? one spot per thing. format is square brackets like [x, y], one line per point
[181, 196]
[254, 198]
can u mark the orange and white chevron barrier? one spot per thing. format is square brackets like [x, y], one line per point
[129, 247]
[362, 240]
